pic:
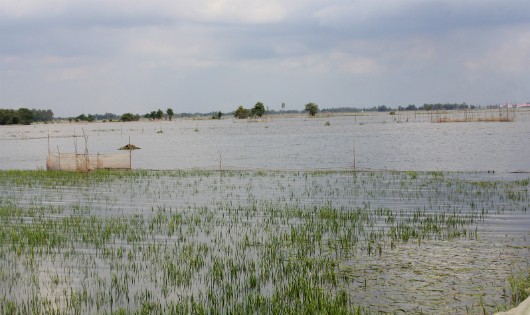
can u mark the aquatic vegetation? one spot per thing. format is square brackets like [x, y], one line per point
[203, 241]
[519, 285]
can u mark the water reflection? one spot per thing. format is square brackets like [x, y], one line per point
[381, 141]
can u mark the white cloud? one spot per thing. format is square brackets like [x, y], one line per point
[253, 11]
[226, 11]
[358, 12]
[356, 65]
[30, 8]
[392, 18]
[398, 44]
[331, 62]
[510, 54]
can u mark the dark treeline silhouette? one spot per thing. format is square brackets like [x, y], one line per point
[27, 116]
[440, 106]
[24, 116]
[341, 110]
[410, 107]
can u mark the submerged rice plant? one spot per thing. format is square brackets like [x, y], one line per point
[261, 242]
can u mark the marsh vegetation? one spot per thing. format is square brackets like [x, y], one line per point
[262, 241]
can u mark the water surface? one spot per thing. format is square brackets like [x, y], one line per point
[378, 141]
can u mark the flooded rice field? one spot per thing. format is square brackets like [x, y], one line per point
[200, 241]
[379, 141]
[230, 216]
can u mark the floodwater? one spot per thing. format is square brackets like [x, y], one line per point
[378, 141]
[403, 242]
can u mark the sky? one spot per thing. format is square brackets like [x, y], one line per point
[117, 56]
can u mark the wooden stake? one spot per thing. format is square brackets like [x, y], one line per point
[220, 162]
[130, 156]
[354, 155]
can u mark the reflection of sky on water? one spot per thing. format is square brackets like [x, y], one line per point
[381, 141]
[54, 284]
[426, 273]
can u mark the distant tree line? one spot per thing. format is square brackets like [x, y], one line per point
[130, 117]
[217, 115]
[446, 106]
[106, 117]
[159, 114]
[93, 117]
[83, 117]
[155, 115]
[410, 107]
[42, 115]
[257, 111]
[24, 116]
[27, 116]
[341, 110]
[125, 117]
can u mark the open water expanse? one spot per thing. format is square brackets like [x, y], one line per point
[406, 141]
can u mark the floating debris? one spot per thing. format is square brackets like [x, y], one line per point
[129, 147]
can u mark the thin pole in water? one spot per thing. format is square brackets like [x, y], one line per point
[354, 155]
[130, 155]
[59, 155]
[220, 161]
[87, 161]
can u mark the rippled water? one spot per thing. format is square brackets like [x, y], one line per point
[433, 274]
[469, 233]
[380, 141]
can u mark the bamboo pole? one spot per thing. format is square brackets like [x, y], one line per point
[130, 154]
[220, 162]
[354, 166]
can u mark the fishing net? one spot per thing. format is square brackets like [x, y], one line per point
[87, 162]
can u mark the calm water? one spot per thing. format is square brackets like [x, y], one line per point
[381, 141]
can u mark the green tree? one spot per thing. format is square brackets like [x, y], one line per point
[151, 115]
[383, 108]
[159, 114]
[312, 108]
[42, 115]
[258, 110]
[8, 117]
[129, 117]
[25, 116]
[169, 113]
[241, 113]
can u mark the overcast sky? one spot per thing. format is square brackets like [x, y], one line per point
[95, 56]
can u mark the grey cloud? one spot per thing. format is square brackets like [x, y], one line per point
[405, 18]
[111, 58]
